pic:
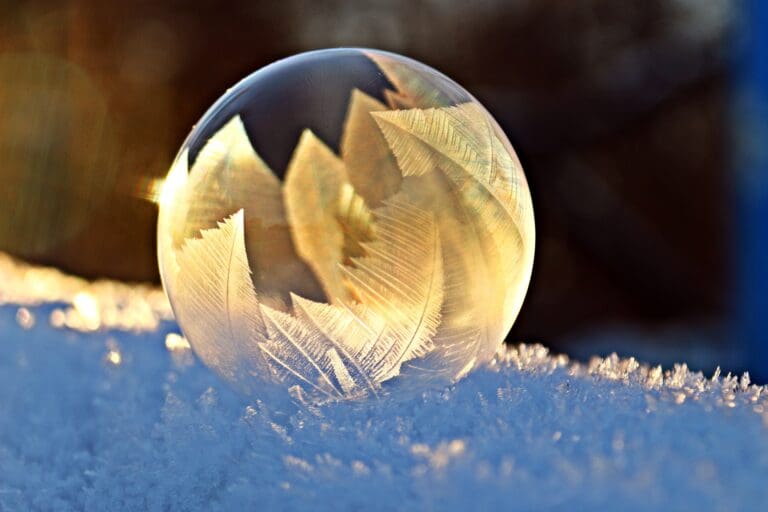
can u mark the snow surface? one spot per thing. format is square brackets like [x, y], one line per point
[100, 418]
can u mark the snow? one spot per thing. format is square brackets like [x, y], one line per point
[111, 414]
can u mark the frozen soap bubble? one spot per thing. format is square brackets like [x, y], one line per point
[344, 220]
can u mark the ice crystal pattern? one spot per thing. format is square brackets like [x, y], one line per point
[406, 254]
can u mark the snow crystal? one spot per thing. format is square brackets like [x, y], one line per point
[126, 418]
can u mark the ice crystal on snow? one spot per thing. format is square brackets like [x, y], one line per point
[530, 431]
[81, 429]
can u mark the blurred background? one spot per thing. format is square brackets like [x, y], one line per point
[642, 126]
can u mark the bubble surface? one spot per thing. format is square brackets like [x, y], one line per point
[342, 223]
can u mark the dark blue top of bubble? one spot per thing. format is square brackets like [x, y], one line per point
[278, 102]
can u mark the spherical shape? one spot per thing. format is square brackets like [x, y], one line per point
[342, 220]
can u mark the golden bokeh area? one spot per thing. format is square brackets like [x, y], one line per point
[57, 150]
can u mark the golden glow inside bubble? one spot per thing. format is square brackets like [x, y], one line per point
[341, 220]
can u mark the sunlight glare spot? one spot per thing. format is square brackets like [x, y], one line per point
[114, 357]
[175, 342]
[88, 309]
[152, 189]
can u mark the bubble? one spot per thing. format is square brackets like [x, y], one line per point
[345, 223]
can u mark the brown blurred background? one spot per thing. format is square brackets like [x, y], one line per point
[617, 110]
